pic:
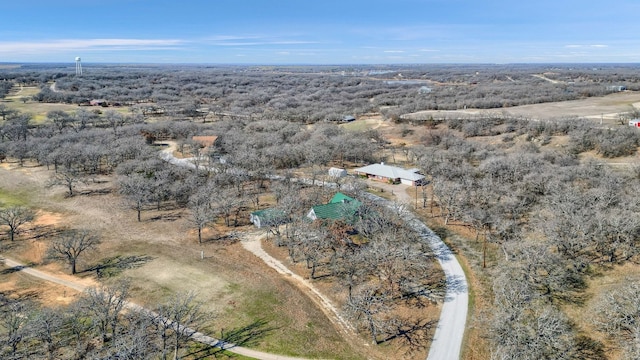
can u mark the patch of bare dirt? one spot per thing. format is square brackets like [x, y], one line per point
[19, 285]
[46, 218]
[166, 258]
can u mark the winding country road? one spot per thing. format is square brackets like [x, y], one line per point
[449, 335]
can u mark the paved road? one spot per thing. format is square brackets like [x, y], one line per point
[197, 336]
[447, 341]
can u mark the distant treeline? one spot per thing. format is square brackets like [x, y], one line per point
[313, 93]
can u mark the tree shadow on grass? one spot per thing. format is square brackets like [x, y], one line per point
[227, 239]
[6, 245]
[413, 334]
[14, 295]
[173, 216]
[246, 336]
[45, 232]
[115, 265]
[11, 270]
[95, 192]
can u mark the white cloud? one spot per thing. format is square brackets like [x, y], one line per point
[576, 46]
[251, 40]
[394, 51]
[259, 43]
[44, 47]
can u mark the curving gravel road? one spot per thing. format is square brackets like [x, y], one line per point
[449, 335]
[447, 341]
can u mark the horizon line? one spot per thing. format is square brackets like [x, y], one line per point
[72, 63]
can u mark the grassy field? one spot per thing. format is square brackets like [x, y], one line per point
[40, 110]
[606, 108]
[10, 198]
[237, 287]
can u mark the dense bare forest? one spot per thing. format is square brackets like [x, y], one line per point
[545, 213]
[311, 94]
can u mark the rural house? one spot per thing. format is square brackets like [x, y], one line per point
[392, 174]
[340, 207]
[268, 217]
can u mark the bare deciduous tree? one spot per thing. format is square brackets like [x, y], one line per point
[47, 323]
[70, 245]
[182, 316]
[15, 327]
[137, 190]
[105, 305]
[618, 316]
[68, 177]
[201, 212]
[368, 306]
[14, 217]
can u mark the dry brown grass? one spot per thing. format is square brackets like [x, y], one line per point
[461, 240]
[20, 285]
[604, 281]
[389, 350]
[232, 283]
[605, 107]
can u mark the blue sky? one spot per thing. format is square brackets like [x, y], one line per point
[320, 32]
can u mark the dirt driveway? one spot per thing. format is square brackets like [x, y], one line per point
[399, 192]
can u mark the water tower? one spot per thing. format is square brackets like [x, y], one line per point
[78, 66]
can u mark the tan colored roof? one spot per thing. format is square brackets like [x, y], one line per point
[205, 140]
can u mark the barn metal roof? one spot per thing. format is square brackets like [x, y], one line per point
[391, 172]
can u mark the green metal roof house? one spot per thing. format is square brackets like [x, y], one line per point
[268, 217]
[340, 207]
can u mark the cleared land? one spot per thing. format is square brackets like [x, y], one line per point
[40, 109]
[234, 284]
[606, 107]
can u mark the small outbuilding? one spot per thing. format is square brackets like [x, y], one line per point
[268, 217]
[98, 102]
[616, 88]
[348, 118]
[337, 172]
[634, 122]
